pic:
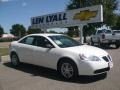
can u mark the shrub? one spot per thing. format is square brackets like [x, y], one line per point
[8, 39]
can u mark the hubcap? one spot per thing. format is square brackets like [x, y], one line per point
[67, 70]
[14, 59]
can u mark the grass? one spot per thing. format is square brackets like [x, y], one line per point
[4, 51]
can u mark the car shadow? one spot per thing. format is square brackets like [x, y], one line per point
[52, 74]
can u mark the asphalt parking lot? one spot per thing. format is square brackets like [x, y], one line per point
[29, 77]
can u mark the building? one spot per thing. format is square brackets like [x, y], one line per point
[8, 36]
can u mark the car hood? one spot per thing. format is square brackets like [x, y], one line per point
[87, 50]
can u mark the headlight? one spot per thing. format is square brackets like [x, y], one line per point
[94, 58]
[91, 58]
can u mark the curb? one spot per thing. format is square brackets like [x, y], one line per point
[0, 58]
[4, 58]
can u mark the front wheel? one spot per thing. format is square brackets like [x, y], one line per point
[99, 44]
[68, 69]
[92, 43]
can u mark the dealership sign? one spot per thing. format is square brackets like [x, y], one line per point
[69, 18]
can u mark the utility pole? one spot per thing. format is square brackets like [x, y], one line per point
[19, 34]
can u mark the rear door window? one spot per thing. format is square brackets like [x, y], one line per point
[28, 40]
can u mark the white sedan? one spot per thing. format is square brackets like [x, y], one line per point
[62, 53]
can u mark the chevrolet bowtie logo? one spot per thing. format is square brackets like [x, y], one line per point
[85, 15]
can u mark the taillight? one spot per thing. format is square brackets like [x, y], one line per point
[103, 36]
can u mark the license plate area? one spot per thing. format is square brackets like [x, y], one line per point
[110, 64]
[113, 40]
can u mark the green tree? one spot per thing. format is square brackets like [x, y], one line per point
[73, 31]
[1, 31]
[108, 11]
[70, 31]
[33, 31]
[51, 31]
[117, 25]
[18, 30]
[76, 32]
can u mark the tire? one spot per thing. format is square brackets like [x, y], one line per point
[117, 46]
[68, 69]
[92, 43]
[14, 59]
[100, 44]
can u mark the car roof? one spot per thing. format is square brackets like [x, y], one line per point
[44, 34]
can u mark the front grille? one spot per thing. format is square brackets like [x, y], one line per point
[109, 58]
[105, 58]
[101, 70]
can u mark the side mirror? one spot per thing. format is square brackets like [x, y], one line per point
[49, 46]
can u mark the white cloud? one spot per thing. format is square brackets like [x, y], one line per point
[5, 0]
[24, 4]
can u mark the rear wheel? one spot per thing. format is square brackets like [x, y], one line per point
[99, 43]
[68, 69]
[117, 45]
[14, 59]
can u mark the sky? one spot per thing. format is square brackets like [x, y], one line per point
[20, 11]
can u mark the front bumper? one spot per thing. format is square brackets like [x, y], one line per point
[107, 41]
[94, 67]
[102, 70]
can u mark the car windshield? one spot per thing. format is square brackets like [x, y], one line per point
[107, 31]
[64, 41]
[104, 31]
[99, 32]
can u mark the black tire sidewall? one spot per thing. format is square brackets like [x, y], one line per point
[117, 46]
[92, 43]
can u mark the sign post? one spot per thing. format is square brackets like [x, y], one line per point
[77, 17]
[81, 32]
